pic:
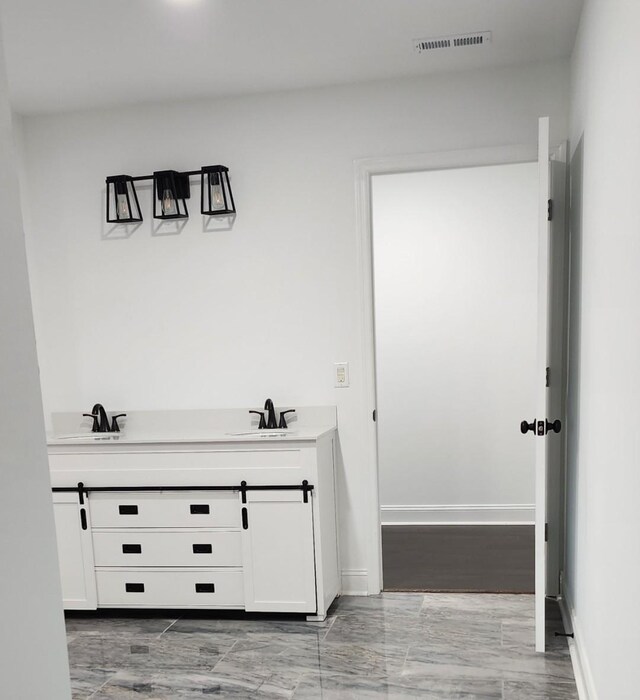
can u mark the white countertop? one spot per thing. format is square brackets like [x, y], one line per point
[297, 434]
[70, 430]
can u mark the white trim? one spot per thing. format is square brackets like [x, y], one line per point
[355, 582]
[581, 667]
[364, 170]
[465, 514]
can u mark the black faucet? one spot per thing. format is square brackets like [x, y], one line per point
[270, 423]
[101, 420]
[271, 417]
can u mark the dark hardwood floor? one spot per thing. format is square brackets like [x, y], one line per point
[458, 558]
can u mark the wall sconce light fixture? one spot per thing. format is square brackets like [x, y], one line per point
[122, 201]
[171, 189]
[170, 193]
[215, 191]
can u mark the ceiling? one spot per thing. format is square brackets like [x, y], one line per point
[74, 54]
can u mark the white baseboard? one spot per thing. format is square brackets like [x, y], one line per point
[466, 514]
[355, 582]
[581, 667]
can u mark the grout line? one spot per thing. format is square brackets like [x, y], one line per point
[404, 661]
[97, 690]
[224, 656]
[168, 628]
[301, 677]
[324, 636]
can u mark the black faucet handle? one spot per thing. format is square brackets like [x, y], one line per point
[283, 421]
[115, 428]
[95, 427]
[262, 424]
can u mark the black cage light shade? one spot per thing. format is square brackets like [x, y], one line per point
[216, 197]
[122, 201]
[170, 193]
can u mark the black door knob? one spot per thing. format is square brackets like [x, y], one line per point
[526, 427]
[556, 426]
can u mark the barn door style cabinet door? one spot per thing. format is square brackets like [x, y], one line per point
[278, 552]
[75, 551]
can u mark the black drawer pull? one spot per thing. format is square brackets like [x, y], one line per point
[245, 519]
[199, 509]
[83, 518]
[128, 510]
[202, 549]
[134, 587]
[132, 549]
[205, 588]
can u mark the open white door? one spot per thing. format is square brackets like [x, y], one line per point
[539, 423]
[550, 378]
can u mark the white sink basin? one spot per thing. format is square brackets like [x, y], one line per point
[262, 433]
[90, 436]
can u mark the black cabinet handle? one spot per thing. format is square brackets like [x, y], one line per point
[205, 588]
[134, 587]
[128, 510]
[200, 509]
[245, 519]
[202, 549]
[132, 549]
[83, 518]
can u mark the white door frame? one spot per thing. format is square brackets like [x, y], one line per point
[364, 170]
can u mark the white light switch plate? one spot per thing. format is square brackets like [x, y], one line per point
[341, 375]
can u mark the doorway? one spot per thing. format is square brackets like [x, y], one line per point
[455, 303]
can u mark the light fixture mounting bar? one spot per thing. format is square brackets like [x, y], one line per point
[188, 173]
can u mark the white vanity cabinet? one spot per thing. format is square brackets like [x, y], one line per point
[75, 552]
[229, 524]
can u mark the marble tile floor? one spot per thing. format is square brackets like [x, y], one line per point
[396, 645]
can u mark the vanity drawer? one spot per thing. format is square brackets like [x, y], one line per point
[139, 587]
[130, 547]
[168, 509]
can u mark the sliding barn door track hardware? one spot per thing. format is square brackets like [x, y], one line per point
[83, 490]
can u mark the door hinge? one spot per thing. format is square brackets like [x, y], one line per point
[547, 377]
[546, 532]
[550, 210]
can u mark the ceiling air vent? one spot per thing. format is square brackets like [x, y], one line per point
[452, 42]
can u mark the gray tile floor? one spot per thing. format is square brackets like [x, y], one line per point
[397, 645]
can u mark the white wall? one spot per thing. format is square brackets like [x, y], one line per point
[603, 566]
[455, 268]
[219, 319]
[33, 650]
